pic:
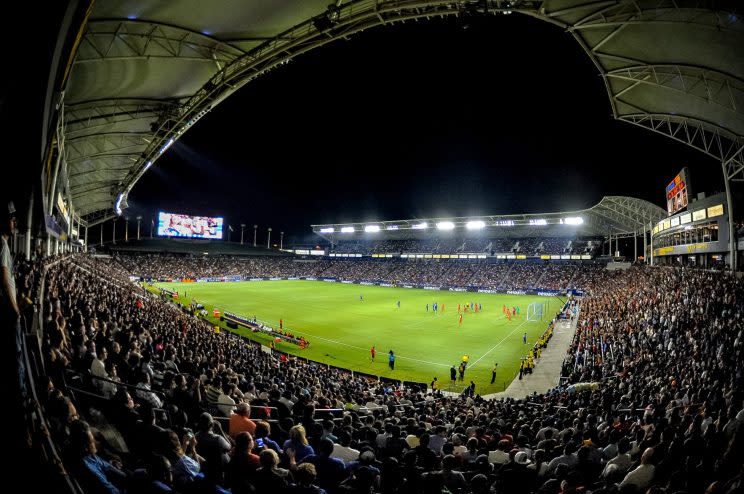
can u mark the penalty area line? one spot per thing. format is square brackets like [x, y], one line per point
[497, 344]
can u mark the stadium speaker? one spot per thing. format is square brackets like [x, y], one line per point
[232, 325]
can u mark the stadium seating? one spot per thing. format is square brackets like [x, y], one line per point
[139, 395]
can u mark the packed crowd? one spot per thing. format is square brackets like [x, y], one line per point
[515, 275]
[439, 245]
[178, 407]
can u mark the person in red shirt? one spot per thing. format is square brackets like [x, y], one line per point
[460, 319]
[372, 352]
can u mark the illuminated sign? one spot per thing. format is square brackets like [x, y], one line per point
[698, 215]
[685, 218]
[183, 225]
[586, 256]
[521, 256]
[675, 221]
[575, 256]
[544, 256]
[666, 224]
[714, 211]
[677, 192]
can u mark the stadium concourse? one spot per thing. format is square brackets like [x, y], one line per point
[142, 397]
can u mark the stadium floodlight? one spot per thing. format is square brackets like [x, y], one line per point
[327, 230]
[573, 220]
[445, 225]
[148, 165]
[167, 145]
[539, 222]
[475, 225]
[372, 228]
[504, 223]
[420, 226]
[391, 227]
[119, 205]
[347, 229]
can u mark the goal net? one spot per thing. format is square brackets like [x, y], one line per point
[537, 311]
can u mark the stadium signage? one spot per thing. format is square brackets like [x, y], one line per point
[458, 289]
[432, 288]
[548, 294]
[311, 278]
[293, 278]
[366, 283]
[256, 279]
[346, 281]
[408, 286]
[487, 290]
[329, 280]
[274, 279]
[385, 284]
[516, 292]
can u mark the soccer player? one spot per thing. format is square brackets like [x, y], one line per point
[399, 304]
[373, 351]
[517, 310]
[465, 359]
[514, 311]
[460, 319]
[458, 308]
[281, 324]
[427, 307]
[442, 307]
[462, 371]
[391, 360]
[481, 307]
[434, 385]
[524, 338]
[361, 298]
[453, 374]
[493, 372]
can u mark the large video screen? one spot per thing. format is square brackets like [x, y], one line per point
[183, 225]
[678, 192]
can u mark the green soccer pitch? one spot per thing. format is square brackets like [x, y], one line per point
[341, 328]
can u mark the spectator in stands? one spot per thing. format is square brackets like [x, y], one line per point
[243, 465]
[212, 445]
[92, 472]
[298, 444]
[305, 478]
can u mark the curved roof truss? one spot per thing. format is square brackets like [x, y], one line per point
[152, 72]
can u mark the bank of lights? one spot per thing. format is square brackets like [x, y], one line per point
[475, 225]
[421, 226]
[539, 222]
[347, 229]
[372, 228]
[445, 225]
[327, 230]
[391, 227]
[573, 220]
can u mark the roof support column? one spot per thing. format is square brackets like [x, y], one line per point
[85, 247]
[651, 234]
[645, 247]
[29, 219]
[635, 246]
[729, 207]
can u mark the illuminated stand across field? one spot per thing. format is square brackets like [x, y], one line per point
[536, 311]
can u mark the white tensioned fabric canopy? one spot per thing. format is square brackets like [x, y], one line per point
[613, 215]
[145, 71]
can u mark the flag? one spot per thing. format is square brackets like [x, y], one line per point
[230, 227]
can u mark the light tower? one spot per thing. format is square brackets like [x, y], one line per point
[242, 227]
[268, 239]
[281, 240]
[139, 218]
[254, 234]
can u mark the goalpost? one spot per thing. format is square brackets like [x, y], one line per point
[537, 311]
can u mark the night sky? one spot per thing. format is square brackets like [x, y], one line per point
[417, 120]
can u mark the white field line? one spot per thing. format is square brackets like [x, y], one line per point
[497, 344]
[367, 349]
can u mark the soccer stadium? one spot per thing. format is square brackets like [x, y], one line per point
[208, 291]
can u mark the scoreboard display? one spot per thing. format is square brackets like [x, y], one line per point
[183, 225]
[678, 192]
